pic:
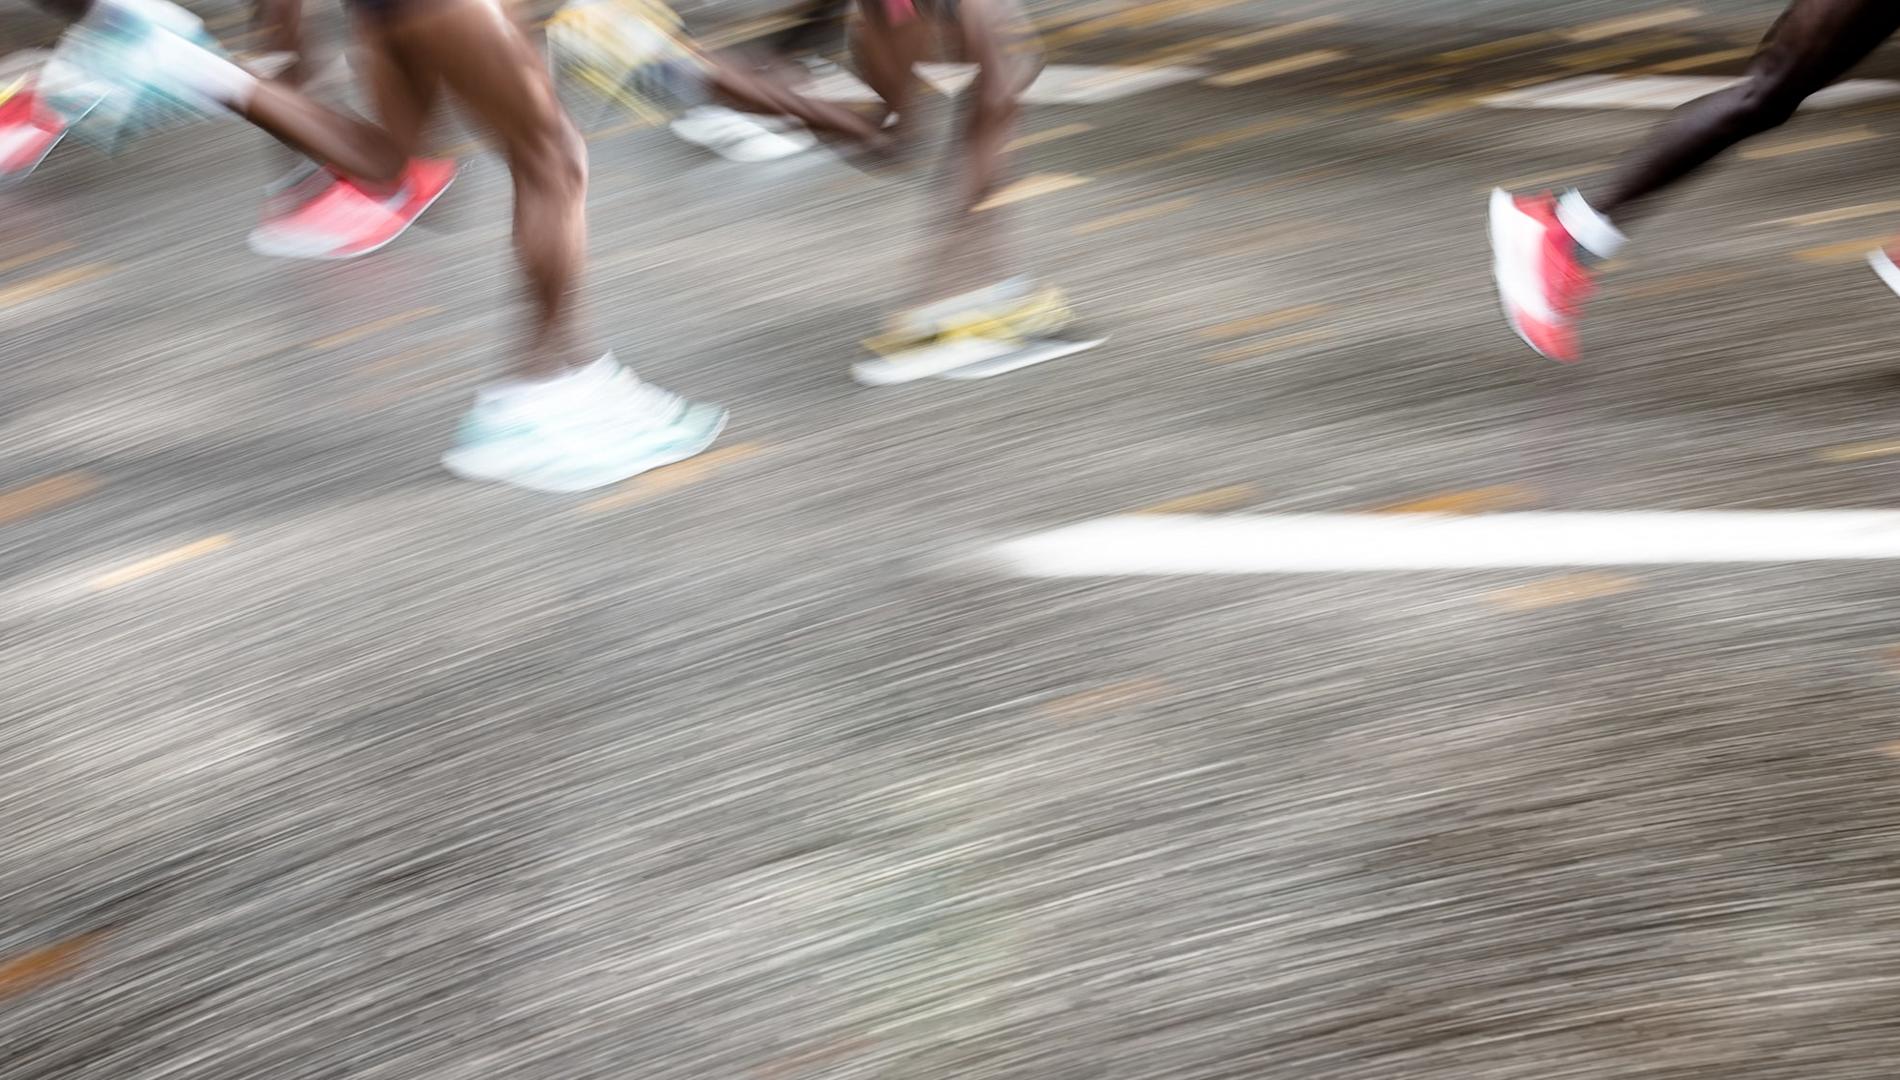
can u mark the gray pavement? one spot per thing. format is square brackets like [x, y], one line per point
[324, 764]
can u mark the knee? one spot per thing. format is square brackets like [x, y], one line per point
[1764, 101]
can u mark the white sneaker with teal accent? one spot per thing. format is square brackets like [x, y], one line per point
[132, 66]
[589, 429]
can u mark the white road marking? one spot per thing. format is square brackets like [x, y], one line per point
[1059, 84]
[1162, 544]
[1664, 92]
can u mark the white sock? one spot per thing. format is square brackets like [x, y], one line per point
[174, 49]
[1598, 235]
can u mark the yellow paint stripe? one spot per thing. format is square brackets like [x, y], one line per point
[1538, 180]
[412, 357]
[1629, 24]
[1691, 63]
[1242, 327]
[1677, 284]
[1843, 213]
[1621, 52]
[1785, 147]
[46, 252]
[1247, 133]
[1130, 18]
[1891, 750]
[1127, 217]
[1031, 186]
[1278, 344]
[35, 288]
[348, 337]
[42, 495]
[1231, 497]
[1485, 500]
[1500, 47]
[1274, 33]
[1283, 66]
[164, 561]
[1037, 138]
[1567, 589]
[1844, 251]
[673, 477]
[1861, 451]
[39, 966]
[1437, 107]
[1092, 703]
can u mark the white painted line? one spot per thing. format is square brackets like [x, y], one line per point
[1161, 544]
[1059, 84]
[1667, 92]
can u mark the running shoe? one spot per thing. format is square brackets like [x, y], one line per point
[975, 328]
[632, 52]
[1883, 263]
[736, 136]
[29, 129]
[1541, 278]
[127, 70]
[595, 427]
[342, 220]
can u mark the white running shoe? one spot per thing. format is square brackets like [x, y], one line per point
[736, 136]
[592, 428]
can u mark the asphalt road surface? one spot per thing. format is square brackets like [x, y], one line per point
[315, 762]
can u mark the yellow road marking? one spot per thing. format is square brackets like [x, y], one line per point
[1500, 47]
[1785, 147]
[1486, 500]
[1091, 703]
[1036, 138]
[1031, 186]
[1567, 589]
[410, 357]
[1274, 33]
[1627, 24]
[1690, 63]
[1861, 451]
[163, 561]
[1892, 750]
[34, 288]
[1676, 284]
[46, 252]
[1231, 497]
[1538, 180]
[1139, 15]
[1845, 251]
[1843, 213]
[1438, 107]
[1619, 53]
[45, 494]
[673, 477]
[1218, 139]
[1140, 213]
[348, 337]
[1283, 66]
[1278, 344]
[31, 969]
[1273, 320]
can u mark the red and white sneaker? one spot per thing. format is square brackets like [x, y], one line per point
[28, 129]
[1541, 281]
[1883, 263]
[342, 220]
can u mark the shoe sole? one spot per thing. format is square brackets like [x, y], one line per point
[1032, 352]
[1884, 266]
[930, 360]
[1503, 210]
[267, 251]
[672, 456]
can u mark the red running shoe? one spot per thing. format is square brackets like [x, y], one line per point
[342, 220]
[1541, 281]
[28, 129]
